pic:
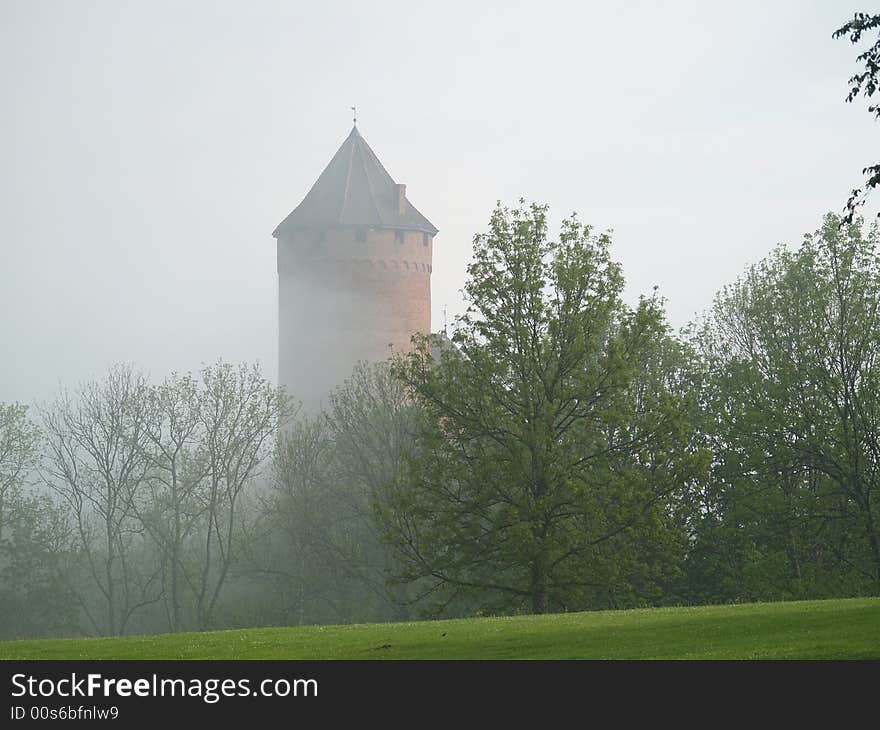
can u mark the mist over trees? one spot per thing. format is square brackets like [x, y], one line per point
[559, 450]
[136, 510]
[332, 472]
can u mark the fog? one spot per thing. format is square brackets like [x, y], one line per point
[563, 451]
[148, 151]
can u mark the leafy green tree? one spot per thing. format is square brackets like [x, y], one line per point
[545, 474]
[866, 84]
[795, 354]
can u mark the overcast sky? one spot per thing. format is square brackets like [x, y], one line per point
[148, 150]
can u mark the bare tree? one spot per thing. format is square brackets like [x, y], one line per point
[97, 462]
[240, 414]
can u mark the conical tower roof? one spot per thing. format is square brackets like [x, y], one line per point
[355, 190]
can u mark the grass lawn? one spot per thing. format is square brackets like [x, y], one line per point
[839, 629]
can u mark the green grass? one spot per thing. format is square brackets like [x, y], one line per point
[839, 629]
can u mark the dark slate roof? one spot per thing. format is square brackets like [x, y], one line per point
[354, 190]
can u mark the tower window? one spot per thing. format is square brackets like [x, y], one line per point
[398, 236]
[425, 239]
[361, 235]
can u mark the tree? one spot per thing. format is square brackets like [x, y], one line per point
[795, 354]
[240, 413]
[374, 425]
[330, 470]
[33, 554]
[172, 505]
[154, 479]
[32, 535]
[865, 83]
[97, 463]
[19, 440]
[555, 439]
[298, 547]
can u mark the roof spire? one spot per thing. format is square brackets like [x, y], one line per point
[354, 109]
[355, 190]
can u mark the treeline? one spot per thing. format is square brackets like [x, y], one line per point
[559, 451]
[140, 510]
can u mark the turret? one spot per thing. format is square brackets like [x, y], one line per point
[354, 274]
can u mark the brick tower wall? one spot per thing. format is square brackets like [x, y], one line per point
[347, 294]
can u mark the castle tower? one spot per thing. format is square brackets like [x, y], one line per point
[354, 274]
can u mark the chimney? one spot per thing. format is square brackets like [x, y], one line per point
[401, 199]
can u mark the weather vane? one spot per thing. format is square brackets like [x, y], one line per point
[354, 109]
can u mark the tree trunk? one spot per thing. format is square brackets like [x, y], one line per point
[175, 569]
[111, 583]
[539, 587]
